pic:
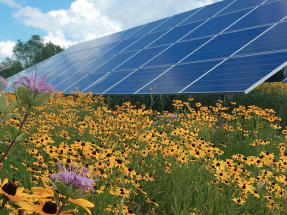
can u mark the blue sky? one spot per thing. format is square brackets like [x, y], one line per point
[67, 22]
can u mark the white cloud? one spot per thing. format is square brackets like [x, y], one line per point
[136, 12]
[83, 21]
[11, 3]
[89, 19]
[6, 48]
[58, 38]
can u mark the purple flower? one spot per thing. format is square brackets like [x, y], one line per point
[3, 81]
[70, 176]
[174, 116]
[37, 86]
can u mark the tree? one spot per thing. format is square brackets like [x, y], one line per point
[29, 53]
[15, 67]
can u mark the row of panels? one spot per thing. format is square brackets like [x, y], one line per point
[236, 74]
[194, 49]
[273, 38]
[201, 14]
[176, 35]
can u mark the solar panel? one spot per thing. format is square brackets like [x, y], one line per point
[227, 47]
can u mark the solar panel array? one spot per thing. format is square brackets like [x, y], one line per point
[227, 47]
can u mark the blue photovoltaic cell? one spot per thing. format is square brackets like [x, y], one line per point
[141, 58]
[107, 81]
[215, 25]
[127, 33]
[208, 11]
[94, 52]
[76, 56]
[85, 55]
[144, 41]
[69, 57]
[85, 81]
[269, 1]
[63, 69]
[241, 4]
[53, 60]
[53, 69]
[267, 13]
[103, 49]
[218, 48]
[148, 28]
[101, 41]
[114, 62]
[175, 34]
[47, 70]
[94, 64]
[57, 80]
[136, 80]
[238, 74]
[274, 39]
[178, 77]
[66, 83]
[73, 48]
[181, 50]
[120, 47]
[77, 66]
[175, 20]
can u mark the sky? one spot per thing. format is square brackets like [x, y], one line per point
[68, 22]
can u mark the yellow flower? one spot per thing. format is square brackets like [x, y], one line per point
[44, 208]
[43, 192]
[83, 203]
[239, 201]
[14, 193]
[48, 192]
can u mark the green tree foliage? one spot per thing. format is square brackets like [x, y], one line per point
[29, 53]
[16, 67]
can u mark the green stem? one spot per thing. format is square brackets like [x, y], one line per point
[63, 204]
[12, 143]
[5, 200]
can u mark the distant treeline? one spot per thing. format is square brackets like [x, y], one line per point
[29, 53]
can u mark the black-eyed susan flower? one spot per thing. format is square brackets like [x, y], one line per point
[14, 193]
[45, 207]
[239, 201]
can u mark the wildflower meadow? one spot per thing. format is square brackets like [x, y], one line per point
[73, 154]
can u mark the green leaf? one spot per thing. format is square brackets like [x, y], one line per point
[81, 210]
[14, 133]
[61, 187]
[22, 168]
[79, 193]
[56, 197]
[24, 95]
[11, 107]
[22, 137]
[7, 117]
[2, 135]
[3, 103]
[8, 170]
[41, 99]
[54, 185]
[87, 196]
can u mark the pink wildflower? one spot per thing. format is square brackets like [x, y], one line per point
[70, 176]
[37, 86]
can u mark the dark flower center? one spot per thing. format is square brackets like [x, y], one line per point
[10, 188]
[50, 207]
